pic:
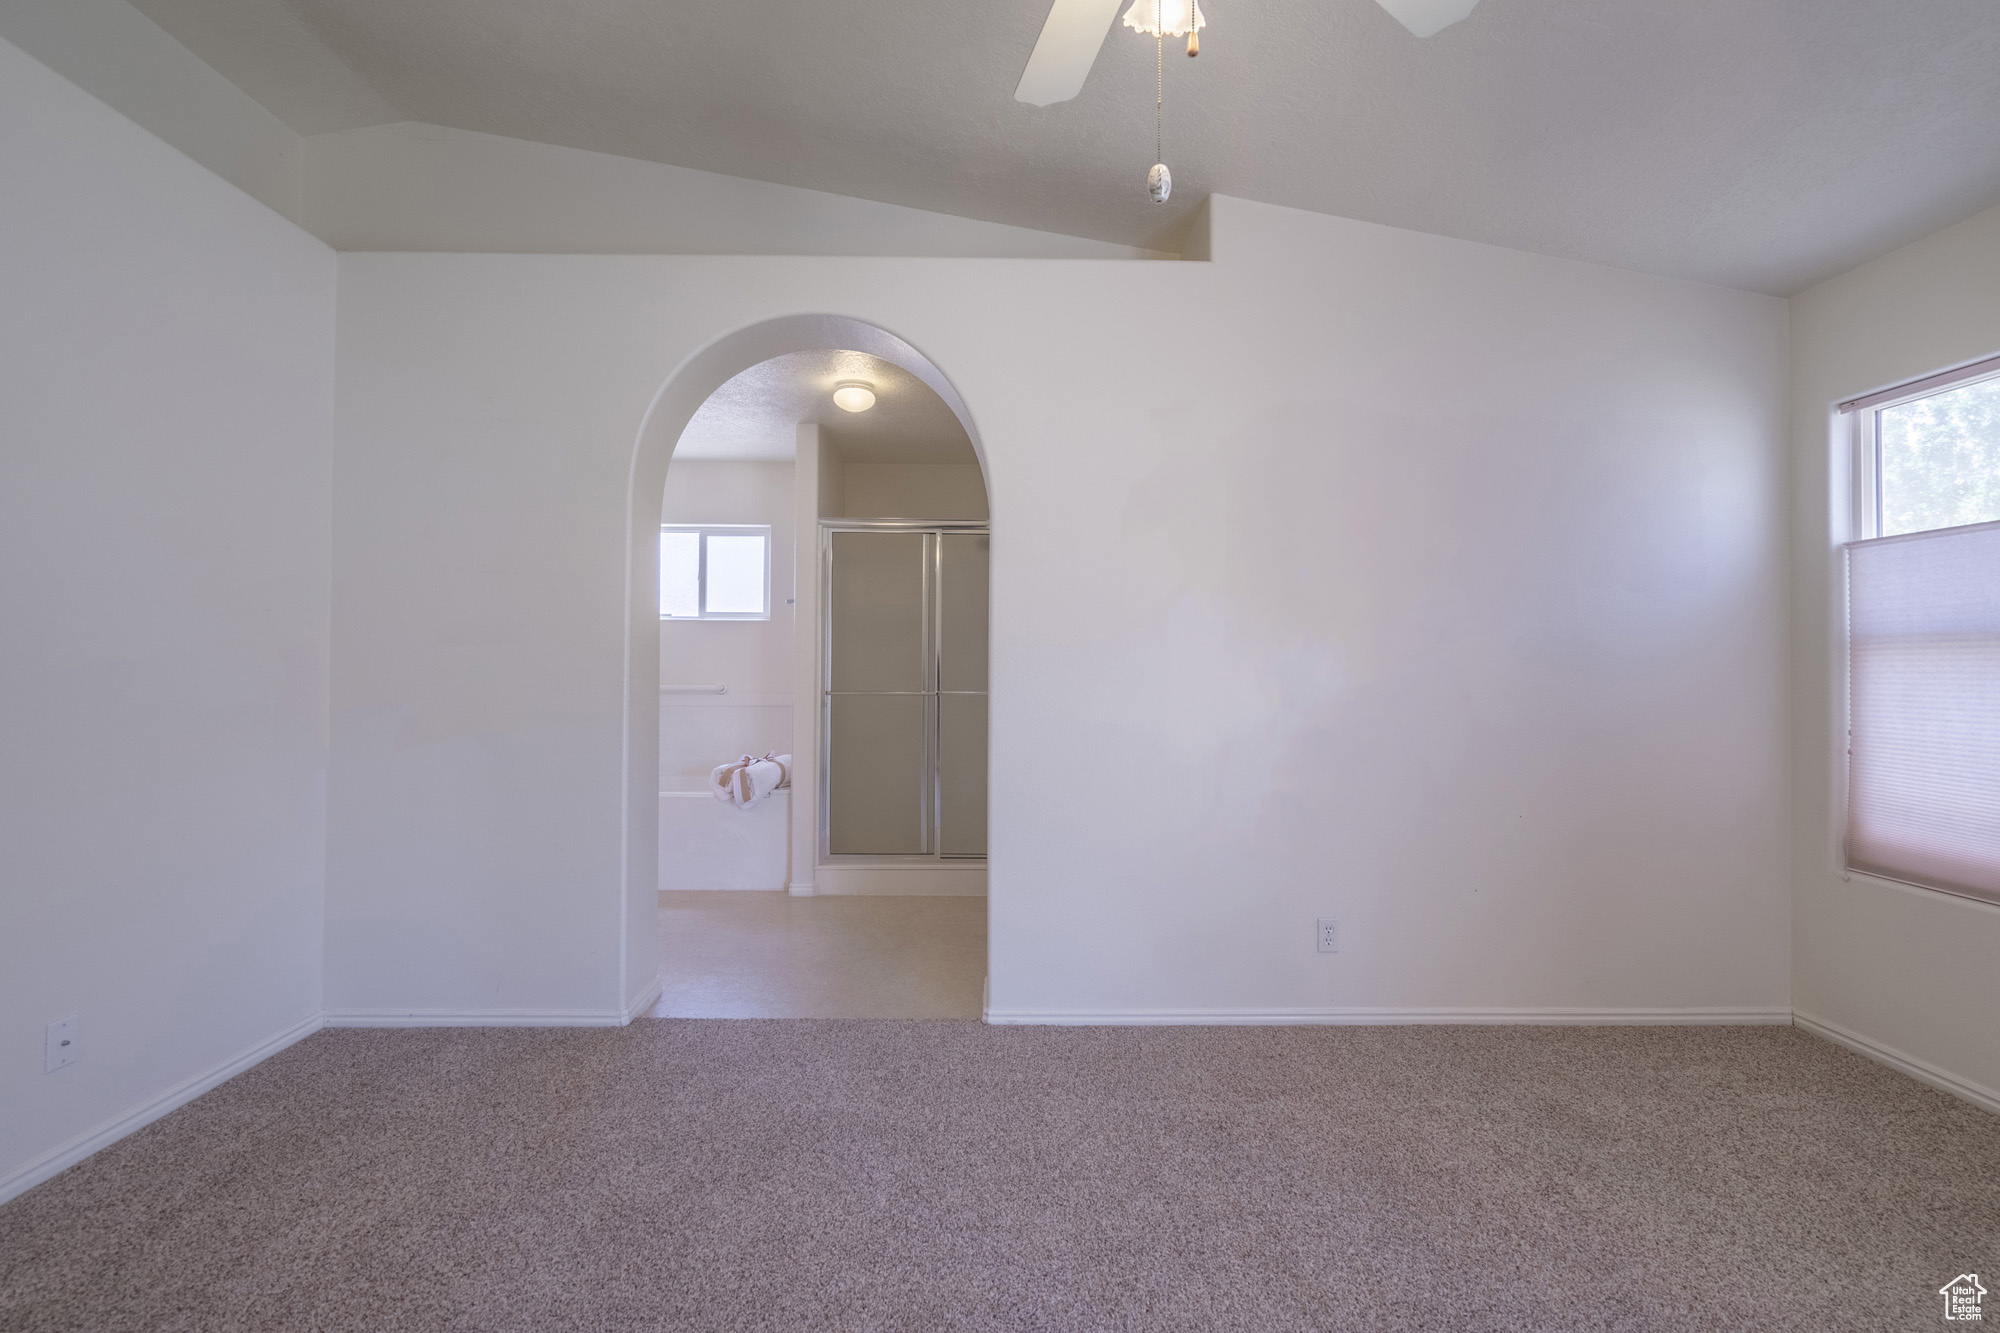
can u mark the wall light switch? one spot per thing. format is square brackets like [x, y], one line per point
[1329, 935]
[63, 1048]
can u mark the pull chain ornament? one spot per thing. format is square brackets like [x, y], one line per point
[1151, 16]
[1160, 181]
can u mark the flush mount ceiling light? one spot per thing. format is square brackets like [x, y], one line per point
[854, 395]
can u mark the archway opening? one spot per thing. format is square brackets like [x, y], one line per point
[808, 583]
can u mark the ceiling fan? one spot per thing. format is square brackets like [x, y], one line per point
[1075, 29]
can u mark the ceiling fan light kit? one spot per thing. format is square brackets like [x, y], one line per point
[1076, 29]
[1171, 18]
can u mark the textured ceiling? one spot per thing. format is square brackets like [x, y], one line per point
[755, 414]
[1755, 143]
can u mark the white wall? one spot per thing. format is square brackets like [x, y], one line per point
[816, 487]
[829, 476]
[411, 186]
[166, 399]
[126, 60]
[753, 658]
[1449, 600]
[1905, 971]
[913, 490]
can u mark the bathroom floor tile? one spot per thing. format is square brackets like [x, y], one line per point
[771, 955]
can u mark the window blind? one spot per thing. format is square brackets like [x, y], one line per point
[1923, 661]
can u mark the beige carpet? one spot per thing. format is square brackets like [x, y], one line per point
[857, 1175]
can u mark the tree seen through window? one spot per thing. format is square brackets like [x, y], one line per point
[1940, 459]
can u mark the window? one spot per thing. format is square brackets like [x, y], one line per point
[1937, 460]
[1923, 635]
[715, 571]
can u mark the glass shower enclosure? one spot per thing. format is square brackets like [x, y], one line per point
[903, 741]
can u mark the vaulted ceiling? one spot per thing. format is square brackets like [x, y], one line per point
[1755, 143]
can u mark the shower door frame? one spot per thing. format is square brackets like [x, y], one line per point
[933, 596]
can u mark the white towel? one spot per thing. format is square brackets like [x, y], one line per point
[750, 779]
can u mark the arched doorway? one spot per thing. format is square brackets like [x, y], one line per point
[678, 402]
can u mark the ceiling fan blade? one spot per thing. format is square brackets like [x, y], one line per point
[1424, 17]
[1065, 51]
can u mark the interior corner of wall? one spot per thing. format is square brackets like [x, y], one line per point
[1198, 243]
[285, 188]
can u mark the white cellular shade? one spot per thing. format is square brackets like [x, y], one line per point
[680, 574]
[736, 582]
[1923, 802]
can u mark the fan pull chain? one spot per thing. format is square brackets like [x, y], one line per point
[1159, 181]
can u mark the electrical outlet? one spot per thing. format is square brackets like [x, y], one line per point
[1329, 935]
[63, 1046]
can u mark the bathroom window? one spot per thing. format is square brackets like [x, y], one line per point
[715, 571]
[1923, 634]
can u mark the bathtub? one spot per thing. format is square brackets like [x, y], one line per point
[705, 844]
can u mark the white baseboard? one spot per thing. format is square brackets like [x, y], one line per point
[69, 1154]
[1923, 1071]
[498, 1018]
[476, 1018]
[647, 999]
[1372, 1017]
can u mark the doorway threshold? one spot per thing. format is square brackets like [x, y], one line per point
[927, 877]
